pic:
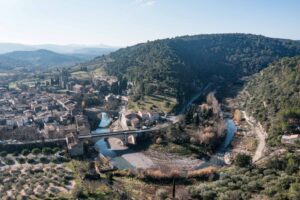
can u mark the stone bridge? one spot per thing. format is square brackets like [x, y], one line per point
[127, 137]
[75, 142]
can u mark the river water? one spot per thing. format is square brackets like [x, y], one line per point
[104, 124]
[118, 161]
[103, 147]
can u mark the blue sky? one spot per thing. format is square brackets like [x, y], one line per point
[127, 22]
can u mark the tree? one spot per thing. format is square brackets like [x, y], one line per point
[36, 151]
[176, 134]
[47, 151]
[243, 160]
[25, 152]
[110, 178]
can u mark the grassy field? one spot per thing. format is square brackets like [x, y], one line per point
[156, 103]
[29, 82]
[171, 148]
[13, 85]
[99, 72]
[81, 75]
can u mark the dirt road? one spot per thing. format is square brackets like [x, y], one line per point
[261, 136]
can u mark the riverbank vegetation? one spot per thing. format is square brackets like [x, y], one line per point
[199, 132]
[278, 179]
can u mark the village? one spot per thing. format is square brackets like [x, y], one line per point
[61, 106]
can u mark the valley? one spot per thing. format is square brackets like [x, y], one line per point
[195, 117]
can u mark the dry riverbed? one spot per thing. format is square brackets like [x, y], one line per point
[151, 158]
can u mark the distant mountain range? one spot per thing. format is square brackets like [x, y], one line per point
[45, 56]
[40, 58]
[64, 49]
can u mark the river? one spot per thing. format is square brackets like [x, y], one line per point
[103, 147]
[118, 161]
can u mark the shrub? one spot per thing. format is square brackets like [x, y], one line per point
[55, 149]
[16, 153]
[44, 160]
[3, 153]
[21, 160]
[31, 161]
[9, 162]
[294, 191]
[235, 194]
[161, 194]
[208, 195]
[243, 160]
[25, 152]
[253, 186]
[47, 151]
[276, 164]
[36, 151]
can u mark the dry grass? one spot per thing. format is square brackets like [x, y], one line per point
[81, 75]
[156, 103]
[201, 172]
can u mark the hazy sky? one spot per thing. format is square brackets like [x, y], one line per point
[126, 22]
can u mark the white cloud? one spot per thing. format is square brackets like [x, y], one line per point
[145, 3]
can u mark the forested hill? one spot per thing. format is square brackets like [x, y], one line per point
[178, 66]
[273, 97]
[43, 58]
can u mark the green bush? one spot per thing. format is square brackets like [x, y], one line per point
[9, 161]
[16, 153]
[36, 151]
[47, 151]
[294, 191]
[21, 160]
[243, 160]
[3, 153]
[31, 161]
[44, 160]
[55, 149]
[25, 152]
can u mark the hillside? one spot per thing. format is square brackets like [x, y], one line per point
[273, 97]
[178, 67]
[7, 63]
[39, 58]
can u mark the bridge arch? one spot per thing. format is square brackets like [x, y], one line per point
[125, 139]
[131, 139]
